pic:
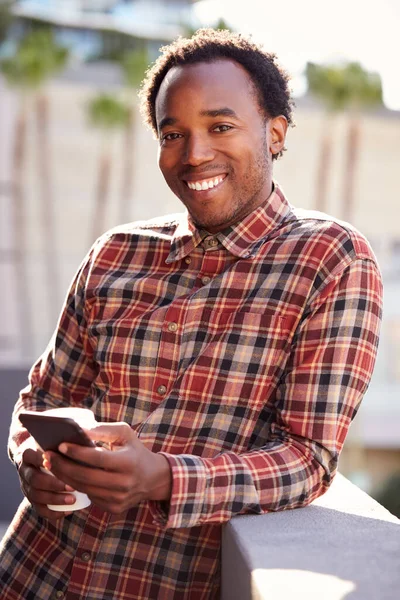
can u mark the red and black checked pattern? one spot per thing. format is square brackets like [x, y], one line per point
[244, 362]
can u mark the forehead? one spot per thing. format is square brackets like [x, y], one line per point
[208, 85]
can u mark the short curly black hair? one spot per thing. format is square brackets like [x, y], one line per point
[271, 81]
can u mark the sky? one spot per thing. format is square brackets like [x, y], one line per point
[319, 31]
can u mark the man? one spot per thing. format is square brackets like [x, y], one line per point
[225, 351]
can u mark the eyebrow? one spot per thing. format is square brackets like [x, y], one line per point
[166, 121]
[217, 112]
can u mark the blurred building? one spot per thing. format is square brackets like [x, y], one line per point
[95, 29]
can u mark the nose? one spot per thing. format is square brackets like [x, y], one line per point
[198, 150]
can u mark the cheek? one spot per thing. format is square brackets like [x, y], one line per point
[163, 165]
[168, 171]
[166, 162]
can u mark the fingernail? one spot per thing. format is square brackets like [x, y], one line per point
[69, 499]
[68, 488]
[62, 448]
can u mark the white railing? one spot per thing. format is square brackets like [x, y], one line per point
[343, 546]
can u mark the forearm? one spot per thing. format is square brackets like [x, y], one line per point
[279, 476]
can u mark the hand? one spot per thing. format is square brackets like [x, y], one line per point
[41, 489]
[117, 478]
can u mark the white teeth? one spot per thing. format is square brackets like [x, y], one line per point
[204, 185]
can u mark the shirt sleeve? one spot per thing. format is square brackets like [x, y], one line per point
[328, 371]
[63, 374]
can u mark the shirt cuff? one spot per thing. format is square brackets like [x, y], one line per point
[16, 457]
[189, 483]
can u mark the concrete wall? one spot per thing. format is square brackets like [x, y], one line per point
[11, 382]
[343, 546]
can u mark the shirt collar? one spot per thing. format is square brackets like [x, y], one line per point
[241, 240]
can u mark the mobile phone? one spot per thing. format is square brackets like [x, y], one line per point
[50, 431]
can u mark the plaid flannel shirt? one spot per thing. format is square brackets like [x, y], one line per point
[242, 356]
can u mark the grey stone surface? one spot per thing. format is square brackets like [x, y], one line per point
[11, 381]
[3, 528]
[343, 546]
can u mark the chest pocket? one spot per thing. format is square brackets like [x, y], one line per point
[235, 356]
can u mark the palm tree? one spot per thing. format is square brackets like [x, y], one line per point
[366, 92]
[324, 83]
[5, 23]
[134, 64]
[5, 18]
[17, 73]
[108, 114]
[36, 58]
[48, 58]
[341, 87]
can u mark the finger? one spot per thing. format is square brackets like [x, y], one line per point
[39, 497]
[117, 434]
[81, 477]
[32, 457]
[120, 459]
[33, 478]
[73, 456]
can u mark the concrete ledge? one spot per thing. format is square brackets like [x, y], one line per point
[343, 546]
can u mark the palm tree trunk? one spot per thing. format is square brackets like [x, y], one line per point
[324, 164]
[352, 151]
[47, 207]
[127, 168]
[20, 235]
[102, 192]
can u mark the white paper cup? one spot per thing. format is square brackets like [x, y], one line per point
[85, 418]
[81, 500]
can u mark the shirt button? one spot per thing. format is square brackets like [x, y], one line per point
[205, 280]
[172, 327]
[188, 260]
[85, 556]
[213, 242]
[59, 594]
[162, 390]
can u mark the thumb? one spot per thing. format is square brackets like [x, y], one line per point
[116, 434]
[32, 457]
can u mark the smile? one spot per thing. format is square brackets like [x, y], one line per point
[205, 184]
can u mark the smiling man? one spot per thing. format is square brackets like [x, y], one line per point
[225, 352]
[216, 145]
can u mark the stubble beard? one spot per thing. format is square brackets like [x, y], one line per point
[256, 179]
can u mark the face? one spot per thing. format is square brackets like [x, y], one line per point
[216, 145]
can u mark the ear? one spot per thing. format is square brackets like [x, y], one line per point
[277, 133]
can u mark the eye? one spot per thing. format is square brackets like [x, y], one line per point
[222, 128]
[171, 136]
